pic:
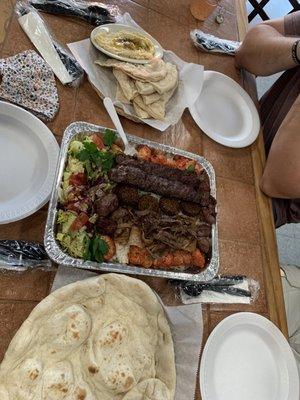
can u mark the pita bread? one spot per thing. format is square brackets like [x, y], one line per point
[151, 98]
[154, 71]
[139, 111]
[156, 110]
[169, 81]
[120, 96]
[126, 83]
[102, 338]
[144, 88]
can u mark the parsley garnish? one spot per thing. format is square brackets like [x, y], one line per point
[191, 168]
[93, 158]
[109, 137]
[96, 249]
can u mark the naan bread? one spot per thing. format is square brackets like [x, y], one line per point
[150, 389]
[126, 83]
[103, 338]
[154, 71]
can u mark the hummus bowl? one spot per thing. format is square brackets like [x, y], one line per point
[115, 29]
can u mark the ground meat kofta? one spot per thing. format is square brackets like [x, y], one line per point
[148, 202]
[106, 226]
[128, 195]
[169, 206]
[106, 204]
[189, 208]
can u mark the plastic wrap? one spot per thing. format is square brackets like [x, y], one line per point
[19, 255]
[222, 289]
[213, 44]
[63, 64]
[92, 12]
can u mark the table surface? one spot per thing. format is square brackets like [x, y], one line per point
[246, 230]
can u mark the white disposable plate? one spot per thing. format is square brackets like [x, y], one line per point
[28, 157]
[246, 357]
[225, 112]
[112, 28]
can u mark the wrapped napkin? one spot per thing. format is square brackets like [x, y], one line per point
[186, 326]
[29, 82]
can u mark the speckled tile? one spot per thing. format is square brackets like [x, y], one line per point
[30, 228]
[16, 40]
[221, 30]
[30, 285]
[137, 11]
[143, 3]
[89, 106]
[242, 259]
[178, 11]
[237, 211]
[65, 116]
[162, 28]
[216, 317]
[228, 162]
[12, 315]
[5, 17]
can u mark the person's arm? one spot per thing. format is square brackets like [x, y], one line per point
[267, 47]
[281, 178]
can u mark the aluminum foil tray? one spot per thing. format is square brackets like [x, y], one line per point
[60, 257]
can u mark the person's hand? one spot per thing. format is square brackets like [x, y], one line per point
[265, 51]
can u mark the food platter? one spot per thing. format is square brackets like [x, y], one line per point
[59, 256]
[115, 28]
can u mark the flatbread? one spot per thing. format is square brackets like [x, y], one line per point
[151, 98]
[144, 88]
[126, 83]
[156, 110]
[102, 338]
[153, 389]
[120, 96]
[169, 81]
[139, 111]
[154, 71]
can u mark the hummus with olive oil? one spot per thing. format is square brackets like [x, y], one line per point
[127, 44]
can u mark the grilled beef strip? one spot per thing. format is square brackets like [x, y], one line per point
[189, 178]
[157, 184]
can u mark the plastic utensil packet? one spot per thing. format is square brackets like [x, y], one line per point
[213, 44]
[62, 62]
[20, 255]
[92, 12]
[222, 289]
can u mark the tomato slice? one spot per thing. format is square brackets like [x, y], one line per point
[79, 222]
[98, 141]
[78, 179]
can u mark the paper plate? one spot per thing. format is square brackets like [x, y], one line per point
[246, 357]
[28, 157]
[112, 28]
[225, 112]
